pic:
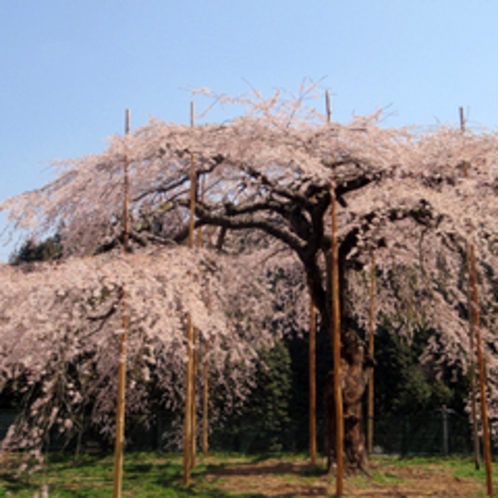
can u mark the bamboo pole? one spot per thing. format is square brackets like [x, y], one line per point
[205, 372]
[195, 370]
[473, 397]
[328, 107]
[188, 436]
[120, 409]
[336, 331]
[205, 401]
[312, 381]
[187, 446]
[472, 371]
[195, 354]
[482, 373]
[371, 352]
[476, 327]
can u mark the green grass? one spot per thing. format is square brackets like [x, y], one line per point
[146, 475]
[462, 467]
[153, 475]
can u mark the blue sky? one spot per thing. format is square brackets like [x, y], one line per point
[71, 67]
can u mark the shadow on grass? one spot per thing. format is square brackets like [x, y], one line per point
[12, 484]
[270, 470]
[275, 468]
[65, 461]
[170, 477]
[265, 465]
[166, 477]
[150, 476]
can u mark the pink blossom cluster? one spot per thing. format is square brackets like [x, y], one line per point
[417, 198]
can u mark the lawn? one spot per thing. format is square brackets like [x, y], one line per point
[151, 475]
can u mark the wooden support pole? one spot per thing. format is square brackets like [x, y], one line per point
[205, 372]
[473, 384]
[371, 352]
[482, 372]
[336, 330]
[328, 107]
[312, 356]
[195, 370]
[205, 401]
[472, 352]
[187, 445]
[312, 382]
[462, 119]
[475, 327]
[195, 354]
[189, 401]
[121, 402]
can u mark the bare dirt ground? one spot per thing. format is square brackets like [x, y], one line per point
[281, 478]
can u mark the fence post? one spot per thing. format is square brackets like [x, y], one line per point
[404, 436]
[444, 412]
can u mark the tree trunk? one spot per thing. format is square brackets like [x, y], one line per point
[355, 360]
[355, 368]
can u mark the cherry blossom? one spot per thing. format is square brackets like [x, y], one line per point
[417, 198]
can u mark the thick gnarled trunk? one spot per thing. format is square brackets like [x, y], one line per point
[355, 367]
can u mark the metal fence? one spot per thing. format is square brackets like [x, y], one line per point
[441, 432]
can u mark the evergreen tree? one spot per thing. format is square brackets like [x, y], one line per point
[48, 250]
[263, 423]
[404, 385]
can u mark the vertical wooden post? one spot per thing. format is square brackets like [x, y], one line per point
[193, 186]
[482, 372]
[205, 373]
[473, 400]
[476, 327]
[336, 331]
[473, 387]
[328, 107]
[126, 204]
[462, 119]
[188, 436]
[187, 446]
[195, 370]
[195, 354]
[371, 352]
[312, 381]
[120, 409]
[205, 401]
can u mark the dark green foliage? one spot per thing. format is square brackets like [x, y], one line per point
[299, 351]
[30, 252]
[405, 386]
[276, 415]
[263, 423]
[269, 403]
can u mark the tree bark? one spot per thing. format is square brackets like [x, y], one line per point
[355, 368]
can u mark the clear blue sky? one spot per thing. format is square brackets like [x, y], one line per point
[71, 67]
